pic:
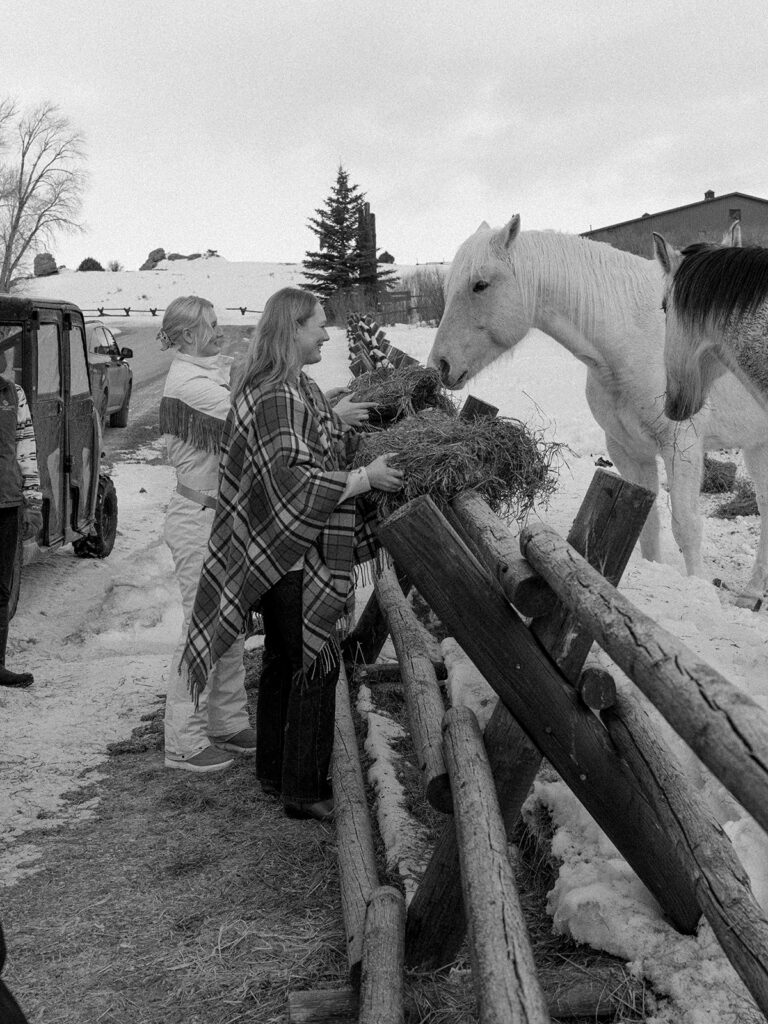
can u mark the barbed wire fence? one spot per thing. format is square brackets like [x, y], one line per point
[128, 311]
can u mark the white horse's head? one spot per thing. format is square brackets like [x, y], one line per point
[691, 363]
[486, 313]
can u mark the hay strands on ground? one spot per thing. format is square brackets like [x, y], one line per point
[442, 455]
[400, 392]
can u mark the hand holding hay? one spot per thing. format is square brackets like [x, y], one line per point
[351, 410]
[400, 392]
[382, 475]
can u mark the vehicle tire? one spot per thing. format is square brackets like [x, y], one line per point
[99, 544]
[120, 418]
[103, 404]
[16, 577]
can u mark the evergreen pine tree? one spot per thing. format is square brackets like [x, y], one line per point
[343, 261]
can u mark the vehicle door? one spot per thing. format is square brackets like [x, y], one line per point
[48, 417]
[83, 439]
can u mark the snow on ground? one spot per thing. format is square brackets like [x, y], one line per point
[99, 637]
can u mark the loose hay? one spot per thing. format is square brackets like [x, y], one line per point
[400, 393]
[719, 476]
[442, 455]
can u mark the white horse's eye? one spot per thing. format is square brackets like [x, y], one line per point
[664, 304]
[480, 286]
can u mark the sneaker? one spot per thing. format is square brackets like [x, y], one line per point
[208, 760]
[243, 742]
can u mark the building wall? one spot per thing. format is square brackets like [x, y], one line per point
[707, 221]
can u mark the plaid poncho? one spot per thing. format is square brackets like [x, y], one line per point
[280, 480]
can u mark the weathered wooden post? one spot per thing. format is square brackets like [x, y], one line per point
[381, 983]
[358, 874]
[423, 699]
[471, 605]
[503, 969]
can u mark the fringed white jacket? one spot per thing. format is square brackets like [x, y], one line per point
[195, 403]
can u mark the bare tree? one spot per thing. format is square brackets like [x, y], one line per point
[41, 182]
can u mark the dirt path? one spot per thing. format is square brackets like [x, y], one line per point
[184, 900]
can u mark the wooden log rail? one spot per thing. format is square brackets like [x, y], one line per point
[424, 702]
[381, 985]
[685, 835]
[465, 598]
[722, 885]
[503, 968]
[607, 525]
[724, 727]
[358, 874]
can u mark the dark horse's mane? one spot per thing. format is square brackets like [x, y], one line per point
[715, 282]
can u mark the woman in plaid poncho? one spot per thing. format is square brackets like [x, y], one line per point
[286, 535]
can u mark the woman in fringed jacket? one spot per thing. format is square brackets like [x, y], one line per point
[194, 406]
[286, 536]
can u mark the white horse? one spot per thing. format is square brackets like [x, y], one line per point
[716, 301]
[604, 306]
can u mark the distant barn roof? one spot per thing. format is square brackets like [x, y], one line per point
[675, 209]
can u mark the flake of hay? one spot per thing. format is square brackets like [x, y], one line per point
[400, 392]
[442, 455]
[743, 503]
[719, 476]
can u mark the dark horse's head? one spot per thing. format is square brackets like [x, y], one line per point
[703, 287]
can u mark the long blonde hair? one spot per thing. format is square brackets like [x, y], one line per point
[273, 356]
[185, 312]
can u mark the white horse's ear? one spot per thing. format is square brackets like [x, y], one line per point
[732, 237]
[483, 226]
[510, 231]
[664, 253]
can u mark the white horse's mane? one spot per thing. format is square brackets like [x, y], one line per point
[594, 278]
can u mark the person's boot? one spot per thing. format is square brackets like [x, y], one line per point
[8, 678]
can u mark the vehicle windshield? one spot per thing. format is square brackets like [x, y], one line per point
[10, 351]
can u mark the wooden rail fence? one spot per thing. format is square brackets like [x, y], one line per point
[466, 566]
[526, 611]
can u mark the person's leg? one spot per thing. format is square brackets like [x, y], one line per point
[309, 738]
[187, 528]
[9, 537]
[281, 615]
[229, 726]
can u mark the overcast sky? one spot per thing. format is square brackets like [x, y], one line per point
[221, 125]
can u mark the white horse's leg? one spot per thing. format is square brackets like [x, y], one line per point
[756, 460]
[684, 473]
[645, 473]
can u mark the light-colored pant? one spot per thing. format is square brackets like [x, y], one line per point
[223, 706]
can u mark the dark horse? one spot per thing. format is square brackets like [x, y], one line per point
[716, 301]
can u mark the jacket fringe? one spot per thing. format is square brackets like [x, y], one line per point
[327, 659]
[196, 428]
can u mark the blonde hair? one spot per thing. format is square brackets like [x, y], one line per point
[184, 313]
[274, 356]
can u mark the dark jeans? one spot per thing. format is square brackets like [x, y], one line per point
[9, 535]
[294, 713]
